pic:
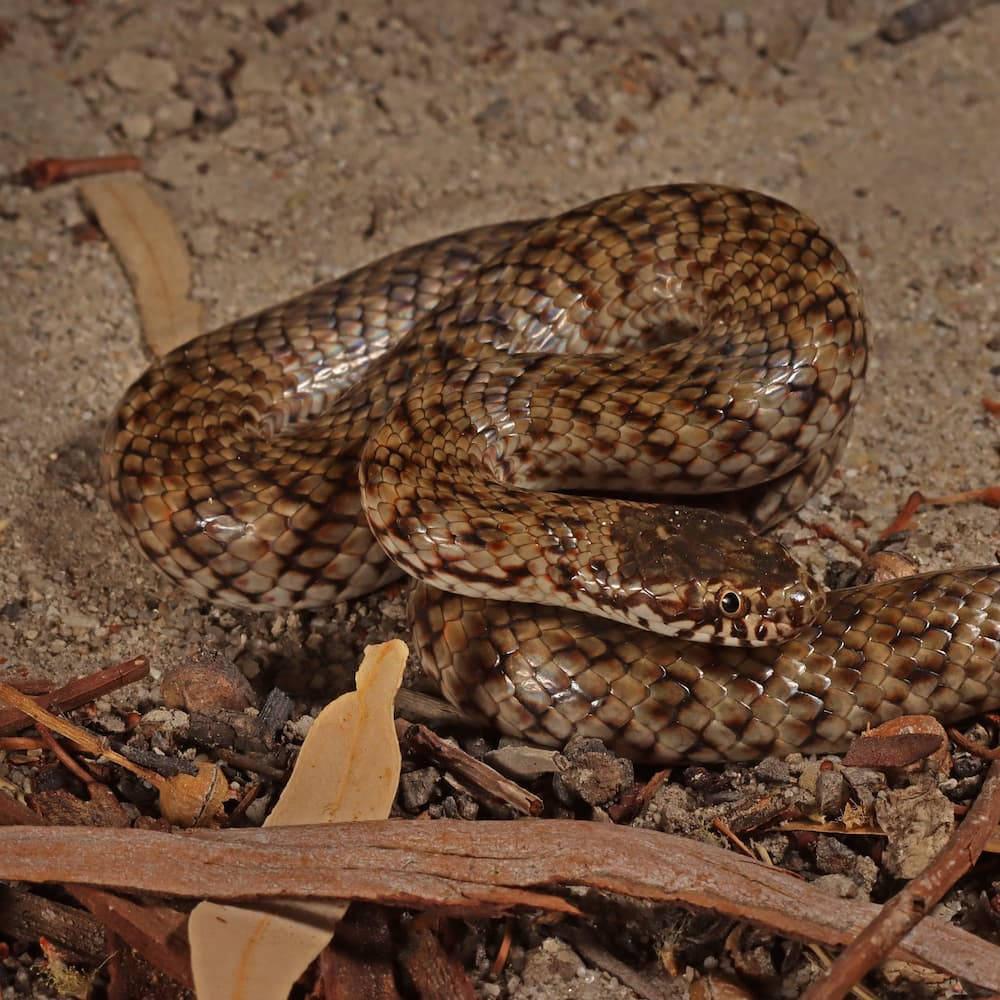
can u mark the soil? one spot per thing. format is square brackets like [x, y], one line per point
[293, 144]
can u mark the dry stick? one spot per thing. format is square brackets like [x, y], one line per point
[433, 711]
[78, 692]
[27, 916]
[184, 799]
[430, 968]
[63, 756]
[42, 173]
[482, 777]
[30, 685]
[989, 495]
[484, 868]
[158, 933]
[902, 519]
[155, 932]
[980, 751]
[906, 909]
[77, 735]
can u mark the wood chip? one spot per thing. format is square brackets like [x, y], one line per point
[901, 743]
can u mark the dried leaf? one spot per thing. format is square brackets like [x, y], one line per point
[347, 770]
[153, 254]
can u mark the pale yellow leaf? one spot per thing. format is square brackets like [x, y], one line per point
[153, 254]
[348, 769]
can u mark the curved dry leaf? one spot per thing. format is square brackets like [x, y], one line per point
[347, 770]
[154, 256]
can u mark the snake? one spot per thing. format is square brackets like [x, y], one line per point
[574, 433]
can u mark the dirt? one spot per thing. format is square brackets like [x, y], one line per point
[292, 145]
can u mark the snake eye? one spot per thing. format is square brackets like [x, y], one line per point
[730, 604]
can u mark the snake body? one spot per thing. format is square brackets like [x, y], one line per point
[677, 342]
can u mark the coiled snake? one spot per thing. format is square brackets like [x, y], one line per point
[671, 342]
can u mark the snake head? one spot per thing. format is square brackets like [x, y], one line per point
[707, 578]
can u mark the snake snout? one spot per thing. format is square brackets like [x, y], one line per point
[803, 603]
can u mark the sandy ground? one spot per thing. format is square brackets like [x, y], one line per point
[353, 129]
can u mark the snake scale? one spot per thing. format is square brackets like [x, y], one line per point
[497, 394]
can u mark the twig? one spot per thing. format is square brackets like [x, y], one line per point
[484, 868]
[82, 738]
[43, 173]
[637, 798]
[432, 711]
[430, 968]
[29, 685]
[976, 749]
[359, 961]
[989, 495]
[155, 931]
[78, 770]
[9, 743]
[187, 800]
[28, 916]
[482, 777]
[503, 952]
[911, 905]
[902, 520]
[721, 826]
[78, 692]
[249, 796]
[252, 763]
[827, 531]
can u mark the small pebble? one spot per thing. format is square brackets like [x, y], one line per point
[135, 71]
[417, 787]
[175, 116]
[772, 769]
[299, 728]
[164, 721]
[206, 683]
[204, 240]
[590, 772]
[523, 763]
[831, 792]
[733, 23]
[137, 126]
